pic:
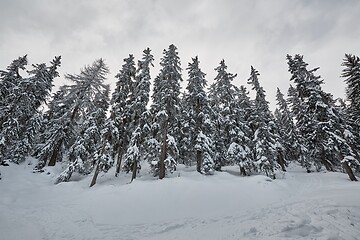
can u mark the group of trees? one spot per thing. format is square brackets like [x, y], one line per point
[207, 126]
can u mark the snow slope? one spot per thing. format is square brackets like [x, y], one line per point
[185, 205]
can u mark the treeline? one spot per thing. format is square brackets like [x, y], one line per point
[93, 130]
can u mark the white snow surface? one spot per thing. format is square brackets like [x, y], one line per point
[185, 205]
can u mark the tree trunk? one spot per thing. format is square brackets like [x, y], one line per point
[281, 161]
[118, 162]
[349, 171]
[198, 161]
[325, 162]
[134, 170]
[97, 171]
[163, 152]
[55, 153]
[242, 171]
[197, 130]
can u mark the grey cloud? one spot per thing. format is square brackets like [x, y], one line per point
[244, 33]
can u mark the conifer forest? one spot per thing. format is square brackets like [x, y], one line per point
[176, 116]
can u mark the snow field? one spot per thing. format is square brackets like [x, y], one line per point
[185, 205]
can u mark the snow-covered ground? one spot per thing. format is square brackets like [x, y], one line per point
[185, 205]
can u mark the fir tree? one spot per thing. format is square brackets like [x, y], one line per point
[239, 151]
[21, 99]
[54, 129]
[139, 116]
[287, 130]
[197, 115]
[9, 82]
[166, 109]
[75, 130]
[121, 108]
[298, 111]
[221, 94]
[351, 73]
[322, 126]
[265, 135]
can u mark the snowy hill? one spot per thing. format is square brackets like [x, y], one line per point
[185, 205]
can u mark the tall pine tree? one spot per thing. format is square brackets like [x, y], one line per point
[266, 142]
[76, 129]
[139, 116]
[351, 73]
[197, 114]
[287, 130]
[166, 109]
[239, 151]
[20, 102]
[121, 109]
[221, 94]
[322, 127]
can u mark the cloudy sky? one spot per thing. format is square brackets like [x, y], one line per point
[244, 33]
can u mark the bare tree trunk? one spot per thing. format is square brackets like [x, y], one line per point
[134, 170]
[197, 130]
[325, 162]
[349, 171]
[163, 152]
[198, 161]
[281, 161]
[55, 153]
[97, 171]
[242, 171]
[56, 150]
[118, 162]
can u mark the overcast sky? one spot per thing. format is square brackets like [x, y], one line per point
[244, 33]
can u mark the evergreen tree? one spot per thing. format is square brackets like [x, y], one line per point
[265, 134]
[239, 151]
[9, 82]
[103, 154]
[139, 116]
[166, 110]
[351, 73]
[76, 129]
[197, 115]
[221, 94]
[21, 99]
[287, 130]
[54, 129]
[298, 111]
[121, 109]
[322, 126]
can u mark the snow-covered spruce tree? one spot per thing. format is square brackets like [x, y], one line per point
[9, 81]
[197, 114]
[139, 115]
[266, 142]
[102, 132]
[20, 101]
[287, 130]
[306, 122]
[221, 95]
[165, 109]
[53, 129]
[89, 111]
[74, 130]
[350, 134]
[324, 129]
[298, 110]
[121, 109]
[239, 151]
[351, 73]
[186, 155]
